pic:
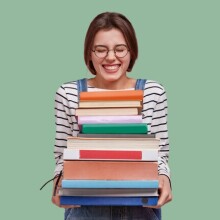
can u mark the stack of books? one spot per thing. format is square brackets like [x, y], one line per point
[112, 161]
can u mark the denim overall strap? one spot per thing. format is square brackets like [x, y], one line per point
[82, 85]
[140, 84]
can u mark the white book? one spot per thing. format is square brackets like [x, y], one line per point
[106, 154]
[109, 119]
[113, 143]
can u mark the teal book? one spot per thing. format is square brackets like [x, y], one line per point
[131, 128]
[110, 184]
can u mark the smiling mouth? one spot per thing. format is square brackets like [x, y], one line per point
[111, 67]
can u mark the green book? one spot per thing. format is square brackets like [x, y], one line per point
[131, 128]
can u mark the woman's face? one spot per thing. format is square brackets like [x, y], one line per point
[110, 68]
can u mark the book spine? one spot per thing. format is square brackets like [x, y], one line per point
[135, 128]
[143, 155]
[110, 104]
[112, 201]
[109, 170]
[110, 183]
[108, 192]
[109, 119]
[113, 144]
[116, 135]
[112, 95]
[106, 111]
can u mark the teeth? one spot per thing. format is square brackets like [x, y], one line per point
[111, 67]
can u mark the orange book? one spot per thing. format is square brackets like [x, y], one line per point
[112, 95]
[109, 170]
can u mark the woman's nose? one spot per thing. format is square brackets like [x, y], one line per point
[111, 55]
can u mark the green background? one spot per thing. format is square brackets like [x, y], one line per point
[41, 47]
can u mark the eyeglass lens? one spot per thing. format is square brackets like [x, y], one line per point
[102, 51]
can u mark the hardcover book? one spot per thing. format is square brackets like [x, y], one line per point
[109, 119]
[109, 170]
[116, 135]
[106, 111]
[112, 95]
[129, 128]
[83, 143]
[90, 154]
[110, 104]
[109, 201]
[108, 192]
[110, 184]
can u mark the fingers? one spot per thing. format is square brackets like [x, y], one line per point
[164, 191]
[165, 197]
[165, 194]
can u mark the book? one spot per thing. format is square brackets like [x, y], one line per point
[109, 170]
[90, 154]
[108, 192]
[119, 128]
[110, 104]
[116, 135]
[83, 143]
[109, 119]
[112, 95]
[110, 184]
[109, 201]
[106, 111]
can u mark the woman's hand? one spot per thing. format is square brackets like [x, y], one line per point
[56, 198]
[165, 193]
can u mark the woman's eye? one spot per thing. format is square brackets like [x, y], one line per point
[119, 50]
[101, 51]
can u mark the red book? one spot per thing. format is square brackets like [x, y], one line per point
[109, 170]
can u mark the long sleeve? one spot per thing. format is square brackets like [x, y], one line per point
[159, 128]
[155, 115]
[65, 104]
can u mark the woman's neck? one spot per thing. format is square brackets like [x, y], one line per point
[127, 83]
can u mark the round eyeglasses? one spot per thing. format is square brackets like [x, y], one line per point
[120, 51]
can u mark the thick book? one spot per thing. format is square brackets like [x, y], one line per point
[108, 201]
[119, 128]
[109, 170]
[112, 95]
[110, 104]
[84, 143]
[90, 154]
[107, 192]
[109, 119]
[106, 111]
[116, 135]
[105, 184]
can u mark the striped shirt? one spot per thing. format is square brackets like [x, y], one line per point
[154, 113]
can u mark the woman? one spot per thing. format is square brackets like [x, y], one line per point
[110, 52]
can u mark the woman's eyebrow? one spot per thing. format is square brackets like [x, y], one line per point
[100, 45]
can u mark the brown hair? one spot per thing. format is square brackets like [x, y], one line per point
[108, 21]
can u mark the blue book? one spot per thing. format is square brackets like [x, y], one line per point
[110, 183]
[108, 201]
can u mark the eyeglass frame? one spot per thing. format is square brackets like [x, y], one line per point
[110, 50]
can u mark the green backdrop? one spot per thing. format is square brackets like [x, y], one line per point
[41, 47]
